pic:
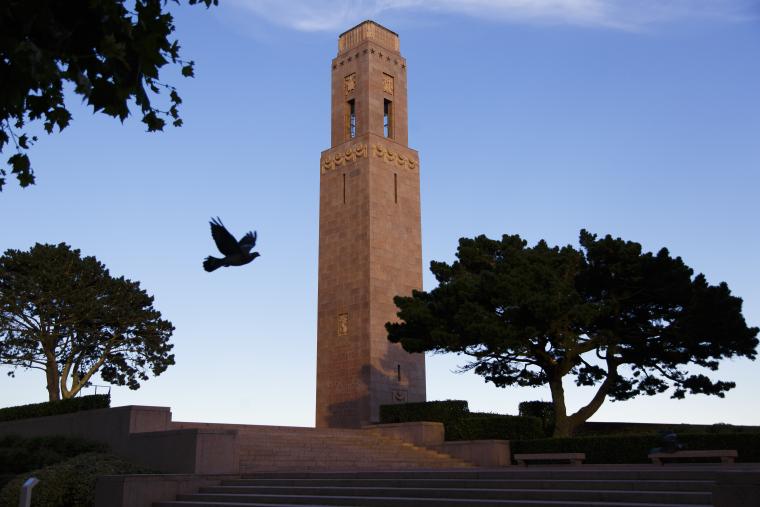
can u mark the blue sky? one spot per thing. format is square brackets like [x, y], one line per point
[635, 118]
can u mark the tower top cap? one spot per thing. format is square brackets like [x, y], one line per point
[368, 30]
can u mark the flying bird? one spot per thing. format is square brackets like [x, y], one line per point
[236, 253]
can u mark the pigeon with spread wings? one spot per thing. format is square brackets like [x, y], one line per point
[236, 253]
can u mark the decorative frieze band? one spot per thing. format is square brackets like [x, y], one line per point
[339, 158]
[350, 154]
[370, 51]
[391, 156]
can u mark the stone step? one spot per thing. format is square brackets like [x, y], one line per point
[334, 450]
[341, 465]
[592, 495]
[642, 485]
[320, 445]
[536, 472]
[348, 459]
[291, 447]
[391, 458]
[290, 500]
[315, 466]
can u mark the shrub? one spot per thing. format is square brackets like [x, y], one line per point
[440, 411]
[494, 426]
[461, 424]
[70, 483]
[614, 449]
[18, 454]
[747, 444]
[620, 428]
[55, 407]
[730, 428]
[544, 410]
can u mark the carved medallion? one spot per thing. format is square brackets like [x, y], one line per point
[394, 157]
[349, 83]
[388, 84]
[342, 324]
[340, 157]
[399, 396]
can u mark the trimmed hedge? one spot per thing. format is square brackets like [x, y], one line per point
[55, 407]
[544, 410]
[614, 449]
[446, 412]
[620, 428]
[70, 483]
[461, 424]
[495, 426]
[18, 454]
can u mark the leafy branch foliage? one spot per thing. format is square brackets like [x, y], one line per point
[66, 315]
[606, 314]
[110, 51]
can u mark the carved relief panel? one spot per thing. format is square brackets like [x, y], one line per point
[399, 396]
[349, 83]
[388, 84]
[337, 158]
[342, 324]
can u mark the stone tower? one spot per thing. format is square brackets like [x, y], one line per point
[369, 234]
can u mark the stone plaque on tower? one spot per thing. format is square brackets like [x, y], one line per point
[369, 234]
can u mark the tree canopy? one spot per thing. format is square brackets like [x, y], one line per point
[110, 52]
[66, 315]
[607, 314]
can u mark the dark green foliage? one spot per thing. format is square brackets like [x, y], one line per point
[19, 454]
[494, 426]
[625, 428]
[109, 51]
[634, 448]
[544, 410]
[66, 315]
[461, 424]
[437, 411]
[70, 483]
[607, 314]
[600, 449]
[90, 402]
[748, 444]
[730, 428]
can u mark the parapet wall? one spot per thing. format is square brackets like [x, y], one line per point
[144, 435]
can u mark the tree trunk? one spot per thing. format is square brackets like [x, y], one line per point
[51, 372]
[561, 421]
[564, 425]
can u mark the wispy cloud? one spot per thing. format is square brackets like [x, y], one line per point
[317, 15]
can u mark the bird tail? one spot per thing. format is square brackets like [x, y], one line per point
[212, 263]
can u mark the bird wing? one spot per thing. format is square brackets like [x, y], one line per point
[225, 241]
[248, 241]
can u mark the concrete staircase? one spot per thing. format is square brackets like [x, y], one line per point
[313, 449]
[585, 486]
[294, 448]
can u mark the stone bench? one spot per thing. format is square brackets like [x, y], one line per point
[574, 458]
[726, 455]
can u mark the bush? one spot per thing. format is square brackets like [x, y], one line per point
[747, 444]
[615, 449]
[18, 454]
[544, 410]
[461, 424]
[494, 426]
[445, 411]
[70, 483]
[55, 407]
[621, 428]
